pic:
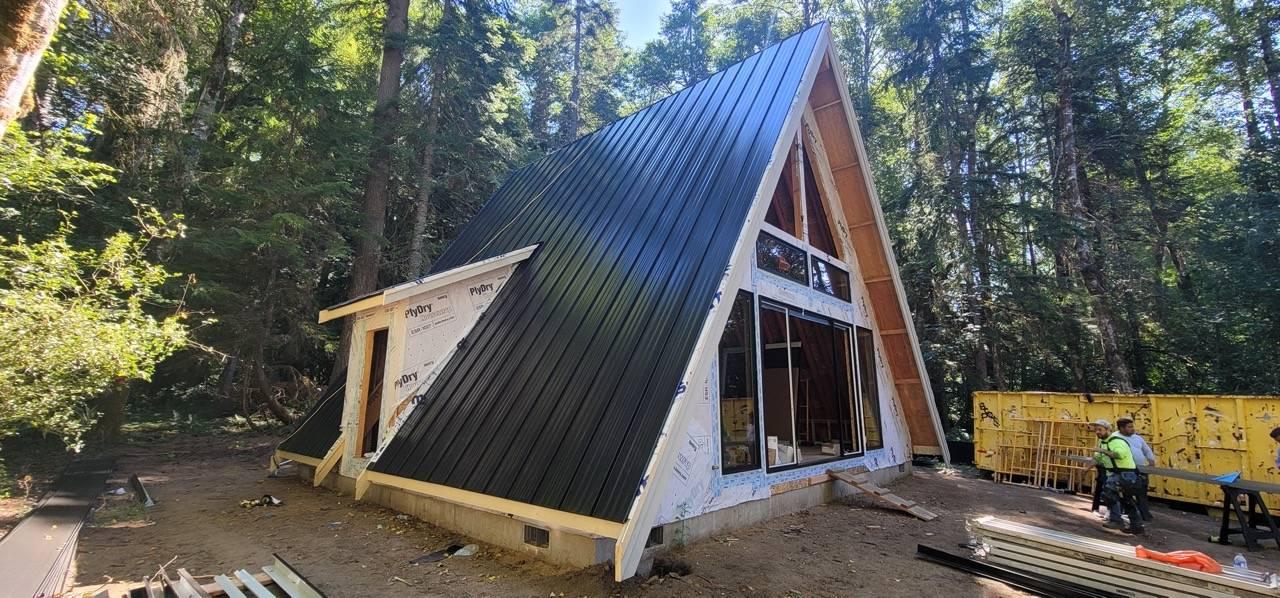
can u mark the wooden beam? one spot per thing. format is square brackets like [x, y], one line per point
[835, 102]
[540, 516]
[865, 224]
[894, 332]
[878, 279]
[331, 458]
[846, 166]
[305, 460]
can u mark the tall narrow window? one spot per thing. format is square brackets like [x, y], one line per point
[869, 389]
[819, 225]
[778, 380]
[739, 413]
[371, 401]
[783, 211]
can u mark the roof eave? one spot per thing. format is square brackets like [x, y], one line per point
[423, 285]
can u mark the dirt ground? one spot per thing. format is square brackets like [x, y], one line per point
[351, 549]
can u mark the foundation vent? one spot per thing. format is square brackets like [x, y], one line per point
[655, 537]
[536, 536]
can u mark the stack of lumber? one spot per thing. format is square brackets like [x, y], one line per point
[1108, 566]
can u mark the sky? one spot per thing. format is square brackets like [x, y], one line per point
[639, 19]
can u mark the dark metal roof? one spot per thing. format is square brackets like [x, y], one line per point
[558, 394]
[322, 425]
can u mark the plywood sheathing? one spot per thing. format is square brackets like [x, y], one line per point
[874, 259]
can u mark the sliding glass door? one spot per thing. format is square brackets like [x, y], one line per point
[809, 401]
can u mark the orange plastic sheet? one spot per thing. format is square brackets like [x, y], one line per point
[1187, 559]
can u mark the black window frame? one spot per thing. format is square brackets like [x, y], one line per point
[869, 374]
[753, 343]
[788, 309]
[767, 266]
[847, 296]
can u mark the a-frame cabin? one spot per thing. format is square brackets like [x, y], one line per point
[681, 321]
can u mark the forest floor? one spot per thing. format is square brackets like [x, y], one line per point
[353, 549]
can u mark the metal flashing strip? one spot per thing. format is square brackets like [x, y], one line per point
[1017, 579]
[422, 285]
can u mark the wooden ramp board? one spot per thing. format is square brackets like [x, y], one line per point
[863, 483]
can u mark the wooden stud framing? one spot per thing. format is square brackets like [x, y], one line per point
[331, 459]
[303, 459]
[534, 514]
[362, 399]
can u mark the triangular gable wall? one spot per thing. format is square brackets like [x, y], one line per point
[860, 224]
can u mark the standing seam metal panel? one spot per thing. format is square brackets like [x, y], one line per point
[558, 394]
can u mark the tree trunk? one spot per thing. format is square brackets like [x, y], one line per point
[1086, 262]
[26, 26]
[364, 269]
[1269, 63]
[427, 154]
[1240, 61]
[211, 89]
[574, 119]
[111, 410]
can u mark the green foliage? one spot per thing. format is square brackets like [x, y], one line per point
[257, 129]
[76, 322]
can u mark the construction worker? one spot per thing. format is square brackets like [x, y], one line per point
[1275, 435]
[1121, 488]
[1143, 457]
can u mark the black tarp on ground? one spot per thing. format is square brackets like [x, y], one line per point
[558, 395]
[321, 426]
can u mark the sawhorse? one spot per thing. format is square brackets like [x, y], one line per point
[1231, 503]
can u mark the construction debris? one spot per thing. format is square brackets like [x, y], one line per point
[266, 501]
[140, 491]
[863, 483]
[1107, 566]
[276, 579]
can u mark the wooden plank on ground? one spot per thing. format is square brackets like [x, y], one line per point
[864, 484]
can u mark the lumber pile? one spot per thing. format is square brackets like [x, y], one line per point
[275, 580]
[1107, 566]
[863, 483]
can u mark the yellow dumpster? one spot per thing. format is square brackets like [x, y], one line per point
[1030, 437]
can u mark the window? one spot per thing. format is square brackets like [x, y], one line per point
[739, 415]
[830, 279]
[783, 211]
[869, 389]
[819, 225]
[781, 258]
[371, 407]
[807, 389]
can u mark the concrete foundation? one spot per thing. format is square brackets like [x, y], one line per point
[687, 531]
[579, 550]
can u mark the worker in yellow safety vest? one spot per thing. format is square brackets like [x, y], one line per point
[1121, 488]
